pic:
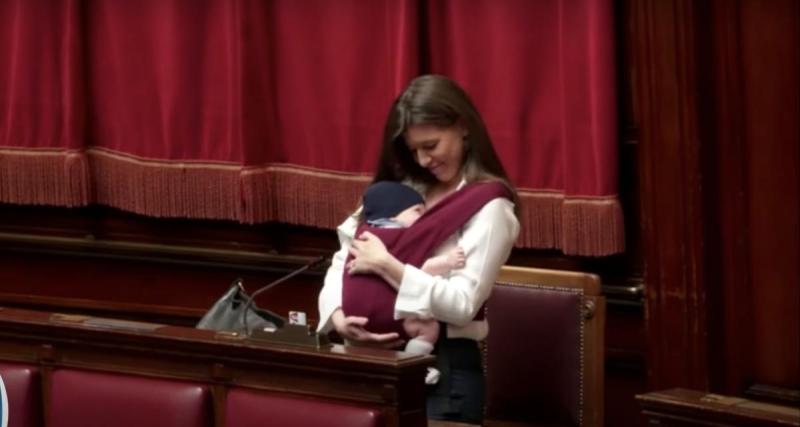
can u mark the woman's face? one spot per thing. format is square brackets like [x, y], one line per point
[438, 149]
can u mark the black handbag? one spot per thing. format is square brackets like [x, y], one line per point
[227, 313]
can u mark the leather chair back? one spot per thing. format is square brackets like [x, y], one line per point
[544, 353]
[246, 408]
[23, 386]
[90, 399]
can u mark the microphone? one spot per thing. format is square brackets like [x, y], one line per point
[311, 264]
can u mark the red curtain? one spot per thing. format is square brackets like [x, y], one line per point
[273, 110]
[42, 104]
[542, 74]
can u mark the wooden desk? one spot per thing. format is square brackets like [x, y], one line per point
[391, 381]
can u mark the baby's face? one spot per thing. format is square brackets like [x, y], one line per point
[410, 215]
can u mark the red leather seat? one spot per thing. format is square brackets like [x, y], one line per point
[24, 398]
[246, 408]
[89, 399]
[544, 352]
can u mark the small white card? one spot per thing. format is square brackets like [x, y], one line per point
[297, 318]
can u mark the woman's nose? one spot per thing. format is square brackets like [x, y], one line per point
[423, 159]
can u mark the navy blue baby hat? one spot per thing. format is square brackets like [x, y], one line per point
[386, 199]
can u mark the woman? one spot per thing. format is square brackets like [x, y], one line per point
[436, 141]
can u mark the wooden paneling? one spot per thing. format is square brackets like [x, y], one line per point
[663, 69]
[770, 49]
[717, 105]
[753, 172]
[727, 242]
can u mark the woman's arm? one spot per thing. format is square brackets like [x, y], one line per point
[330, 297]
[487, 240]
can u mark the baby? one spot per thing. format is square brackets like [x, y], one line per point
[389, 204]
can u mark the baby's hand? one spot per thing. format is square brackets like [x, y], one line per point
[456, 258]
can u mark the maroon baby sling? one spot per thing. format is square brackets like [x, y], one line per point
[368, 295]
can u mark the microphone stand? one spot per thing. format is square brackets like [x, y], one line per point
[288, 333]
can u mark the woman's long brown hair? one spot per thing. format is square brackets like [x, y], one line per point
[439, 101]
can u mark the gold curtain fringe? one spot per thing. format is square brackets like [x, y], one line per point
[78, 179]
[587, 226]
[297, 196]
[44, 177]
[540, 220]
[592, 227]
[176, 190]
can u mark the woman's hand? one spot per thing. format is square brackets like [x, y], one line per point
[370, 256]
[352, 329]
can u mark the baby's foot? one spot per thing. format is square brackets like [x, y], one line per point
[432, 377]
[456, 258]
